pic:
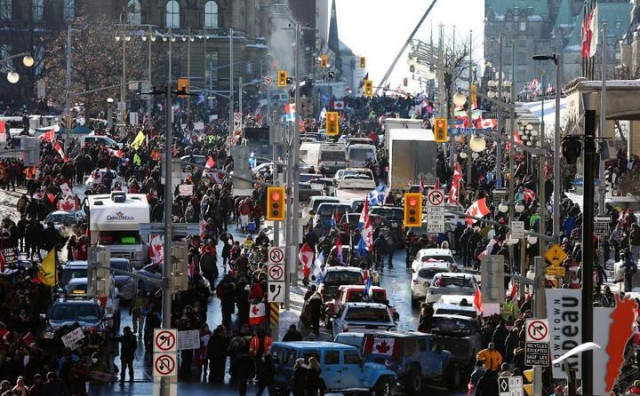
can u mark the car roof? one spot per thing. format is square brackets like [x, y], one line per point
[397, 334]
[345, 287]
[365, 305]
[313, 345]
[455, 275]
[76, 264]
[60, 212]
[433, 264]
[435, 252]
[449, 316]
[455, 307]
[346, 269]
[71, 301]
[80, 281]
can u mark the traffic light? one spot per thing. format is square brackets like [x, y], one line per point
[528, 388]
[474, 90]
[183, 87]
[413, 210]
[275, 203]
[333, 123]
[440, 132]
[363, 62]
[368, 88]
[323, 61]
[282, 78]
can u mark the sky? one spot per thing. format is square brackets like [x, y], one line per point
[377, 29]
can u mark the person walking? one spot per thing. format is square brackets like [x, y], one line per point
[137, 310]
[313, 377]
[299, 379]
[128, 345]
[488, 384]
[266, 376]
[491, 358]
[242, 369]
[218, 350]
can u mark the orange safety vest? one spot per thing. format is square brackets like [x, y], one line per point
[254, 345]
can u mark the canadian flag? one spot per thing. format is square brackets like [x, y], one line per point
[477, 209]
[210, 163]
[477, 300]
[455, 184]
[115, 153]
[156, 250]
[66, 190]
[306, 256]
[489, 123]
[383, 346]
[49, 136]
[58, 148]
[257, 314]
[67, 204]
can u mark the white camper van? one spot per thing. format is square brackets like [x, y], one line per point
[114, 221]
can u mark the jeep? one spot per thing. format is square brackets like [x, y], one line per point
[343, 369]
[414, 357]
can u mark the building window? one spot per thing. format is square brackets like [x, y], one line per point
[211, 15]
[38, 10]
[5, 52]
[134, 11]
[6, 9]
[69, 10]
[173, 14]
[211, 68]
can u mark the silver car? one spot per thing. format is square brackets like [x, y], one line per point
[355, 316]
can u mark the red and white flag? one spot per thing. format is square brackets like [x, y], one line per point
[210, 163]
[305, 255]
[49, 136]
[68, 204]
[489, 123]
[383, 346]
[514, 292]
[366, 230]
[477, 300]
[156, 250]
[422, 184]
[66, 190]
[257, 314]
[339, 249]
[58, 148]
[436, 187]
[477, 209]
[115, 153]
[455, 184]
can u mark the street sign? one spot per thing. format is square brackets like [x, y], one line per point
[165, 340]
[492, 275]
[536, 354]
[275, 292]
[435, 212]
[276, 255]
[555, 255]
[601, 226]
[503, 386]
[275, 273]
[517, 229]
[537, 330]
[556, 271]
[515, 385]
[164, 364]
[267, 80]
[435, 198]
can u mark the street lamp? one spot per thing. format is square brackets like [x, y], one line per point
[13, 77]
[459, 99]
[477, 143]
[557, 184]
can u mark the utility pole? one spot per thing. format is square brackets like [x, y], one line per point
[231, 77]
[470, 111]
[123, 92]
[168, 194]
[602, 189]
[68, 84]
[500, 126]
[189, 39]
[294, 162]
[149, 98]
[557, 183]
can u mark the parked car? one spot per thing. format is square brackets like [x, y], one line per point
[355, 293]
[421, 278]
[414, 357]
[360, 316]
[342, 368]
[461, 335]
[433, 254]
[451, 283]
[335, 277]
[89, 314]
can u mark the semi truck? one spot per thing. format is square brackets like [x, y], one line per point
[412, 155]
[114, 221]
[399, 123]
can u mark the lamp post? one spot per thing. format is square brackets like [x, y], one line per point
[13, 77]
[557, 184]
[109, 112]
[123, 92]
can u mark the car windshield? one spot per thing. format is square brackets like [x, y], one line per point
[431, 259]
[361, 154]
[452, 281]
[72, 273]
[328, 210]
[120, 238]
[444, 325]
[429, 273]
[80, 312]
[59, 218]
[332, 155]
[343, 277]
[318, 202]
[453, 311]
[379, 296]
[389, 214]
[367, 313]
[119, 265]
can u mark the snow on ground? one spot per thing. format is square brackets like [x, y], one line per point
[9, 202]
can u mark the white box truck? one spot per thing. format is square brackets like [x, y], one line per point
[412, 154]
[114, 221]
[399, 123]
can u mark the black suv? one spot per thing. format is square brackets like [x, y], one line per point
[393, 219]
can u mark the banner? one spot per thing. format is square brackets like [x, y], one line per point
[565, 321]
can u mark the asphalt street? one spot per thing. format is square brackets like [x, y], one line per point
[396, 281]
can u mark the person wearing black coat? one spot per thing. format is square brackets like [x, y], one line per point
[217, 350]
[129, 344]
[299, 379]
[266, 375]
[313, 376]
[488, 384]
[54, 386]
[292, 334]
[242, 368]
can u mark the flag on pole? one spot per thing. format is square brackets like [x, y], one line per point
[477, 300]
[364, 224]
[137, 142]
[49, 136]
[477, 209]
[210, 163]
[377, 196]
[367, 286]
[290, 112]
[257, 314]
[455, 183]
[339, 250]
[47, 272]
[318, 268]
[437, 186]
[58, 148]
[593, 27]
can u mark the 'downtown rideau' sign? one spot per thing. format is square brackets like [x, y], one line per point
[564, 313]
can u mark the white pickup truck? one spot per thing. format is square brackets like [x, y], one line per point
[354, 187]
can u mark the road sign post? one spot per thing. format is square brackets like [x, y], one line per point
[435, 212]
[510, 385]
